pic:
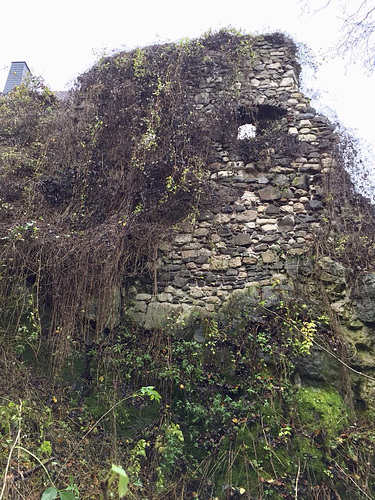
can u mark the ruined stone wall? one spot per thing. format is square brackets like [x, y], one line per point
[267, 192]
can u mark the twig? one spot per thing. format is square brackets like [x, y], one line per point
[297, 479]
[352, 480]
[22, 475]
[11, 452]
[40, 462]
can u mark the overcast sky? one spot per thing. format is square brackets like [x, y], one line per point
[60, 40]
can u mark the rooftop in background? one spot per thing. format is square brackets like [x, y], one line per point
[19, 72]
[62, 95]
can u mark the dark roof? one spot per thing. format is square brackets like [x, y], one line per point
[62, 95]
[18, 73]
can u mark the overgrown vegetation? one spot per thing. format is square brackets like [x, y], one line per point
[232, 422]
[88, 188]
[349, 227]
[91, 184]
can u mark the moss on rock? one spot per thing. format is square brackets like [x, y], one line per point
[321, 409]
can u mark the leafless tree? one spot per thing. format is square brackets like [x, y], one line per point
[357, 38]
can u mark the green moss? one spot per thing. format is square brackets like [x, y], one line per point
[321, 409]
[236, 465]
[310, 456]
[261, 459]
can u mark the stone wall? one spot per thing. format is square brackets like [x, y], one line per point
[267, 192]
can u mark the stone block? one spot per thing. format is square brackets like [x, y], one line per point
[143, 296]
[269, 193]
[269, 227]
[183, 239]
[196, 292]
[162, 314]
[270, 257]
[235, 262]
[250, 260]
[272, 210]
[242, 239]
[189, 254]
[246, 216]
[164, 297]
[286, 224]
[219, 263]
[200, 232]
[140, 306]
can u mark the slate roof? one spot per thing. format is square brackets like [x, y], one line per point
[62, 95]
[18, 73]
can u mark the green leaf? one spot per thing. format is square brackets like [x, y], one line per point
[67, 495]
[123, 485]
[50, 493]
[119, 470]
[150, 392]
[123, 480]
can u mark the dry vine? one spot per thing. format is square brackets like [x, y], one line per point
[88, 186]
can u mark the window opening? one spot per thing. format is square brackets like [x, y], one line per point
[246, 131]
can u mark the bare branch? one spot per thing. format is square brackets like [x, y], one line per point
[357, 30]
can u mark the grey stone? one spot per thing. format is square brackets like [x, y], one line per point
[240, 208]
[140, 306]
[162, 314]
[301, 182]
[269, 238]
[269, 227]
[332, 271]
[188, 254]
[164, 297]
[286, 223]
[270, 257]
[281, 181]
[180, 282]
[182, 239]
[260, 248]
[247, 216]
[219, 263]
[235, 262]
[201, 259]
[321, 367]
[211, 277]
[365, 303]
[232, 272]
[263, 180]
[272, 210]
[242, 239]
[269, 193]
[288, 82]
[143, 296]
[173, 267]
[314, 205]
[227, 209]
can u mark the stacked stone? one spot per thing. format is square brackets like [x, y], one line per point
[271, 209]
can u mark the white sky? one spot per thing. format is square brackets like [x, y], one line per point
[60, 40]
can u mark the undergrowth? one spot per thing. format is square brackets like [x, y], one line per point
[232, 421]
